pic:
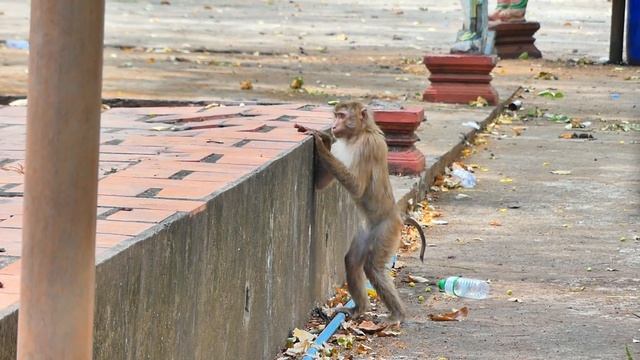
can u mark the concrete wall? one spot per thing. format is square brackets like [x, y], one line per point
[229, 282]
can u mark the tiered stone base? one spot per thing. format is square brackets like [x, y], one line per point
[513, 39]
[460, 78]
[399, 128]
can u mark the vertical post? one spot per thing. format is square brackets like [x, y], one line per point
[617, 31]
[63, 128]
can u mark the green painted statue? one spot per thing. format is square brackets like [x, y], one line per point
[509, 11]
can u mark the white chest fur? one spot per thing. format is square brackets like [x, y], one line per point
[343, 151]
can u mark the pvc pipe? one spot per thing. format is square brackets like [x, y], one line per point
[336, 321]
[328, 331]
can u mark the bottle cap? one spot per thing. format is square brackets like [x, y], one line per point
[441, 284]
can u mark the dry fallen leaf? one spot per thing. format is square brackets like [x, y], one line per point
[303, 335]
[341, 297]
[345, 341]
[518, 130]
[246, 85]
[417, 279]
[506, 180]
[504, 119]
[457, 315]
[370, 327]
[372, 294]
[479, 102]
[362, 349]
[388, 333]
[561, 172]
[566, 136]
[305, 341]
[495, 223]
[296, 83]
[545, 75]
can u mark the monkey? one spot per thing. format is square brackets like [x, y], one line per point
[358, 160]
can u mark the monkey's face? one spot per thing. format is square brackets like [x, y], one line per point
[345, 123]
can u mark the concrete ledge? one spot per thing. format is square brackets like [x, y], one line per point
[232, 280]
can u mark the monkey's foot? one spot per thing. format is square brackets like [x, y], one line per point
[393, 320]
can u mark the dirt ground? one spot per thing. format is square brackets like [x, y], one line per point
[193, 50]
[566, 246]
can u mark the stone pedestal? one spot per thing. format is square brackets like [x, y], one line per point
[460, 78]
[399, 128]
[512, 39]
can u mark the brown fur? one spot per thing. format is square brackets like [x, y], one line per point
[367, 180]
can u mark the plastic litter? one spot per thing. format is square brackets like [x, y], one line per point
[471, 124]
[515, 105]
[17, 44]
[467, 178]
[464, 287]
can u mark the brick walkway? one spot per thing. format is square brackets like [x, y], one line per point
[154, 163]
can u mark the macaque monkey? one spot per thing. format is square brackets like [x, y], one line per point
[358, 160]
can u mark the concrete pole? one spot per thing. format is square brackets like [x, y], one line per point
[616, 39]
[63, 128]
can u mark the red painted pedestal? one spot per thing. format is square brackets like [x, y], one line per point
[399, 128]
[512, 39]
[460, 78]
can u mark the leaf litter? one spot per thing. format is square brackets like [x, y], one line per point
[545, 75]
[455, 315]
[479, 102]
[350, 339]
[551, 93]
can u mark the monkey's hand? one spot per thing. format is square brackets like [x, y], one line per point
[326, 138]
[301, 128]
[321, 145]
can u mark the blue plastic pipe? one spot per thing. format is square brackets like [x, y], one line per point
[327, 332]
[335, 323]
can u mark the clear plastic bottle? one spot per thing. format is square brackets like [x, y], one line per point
[463, 287]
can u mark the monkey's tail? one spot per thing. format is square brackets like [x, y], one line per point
[408, 220]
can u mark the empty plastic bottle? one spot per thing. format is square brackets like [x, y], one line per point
[463, 287]
[467, 179]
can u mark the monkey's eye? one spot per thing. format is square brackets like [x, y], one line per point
[340, 115]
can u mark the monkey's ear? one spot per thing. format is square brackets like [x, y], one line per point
[364, 113]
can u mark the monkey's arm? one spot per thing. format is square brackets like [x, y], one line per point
[322, 176]
[336, 168]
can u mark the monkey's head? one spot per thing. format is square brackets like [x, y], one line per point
[350, 120]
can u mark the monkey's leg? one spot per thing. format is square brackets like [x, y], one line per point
[354, 264]
[386, 237]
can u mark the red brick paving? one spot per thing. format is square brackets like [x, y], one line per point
[154, 163]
